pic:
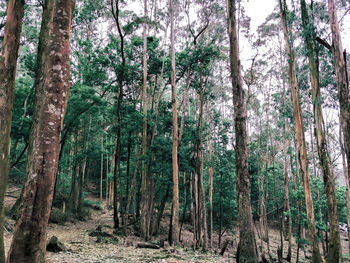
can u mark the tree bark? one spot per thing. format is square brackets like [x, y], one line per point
[175, 200]
[8, 64]
[335, 251]
[52, 89]
[299, 126]
[342, 79]
[247, 250]
[145, 180]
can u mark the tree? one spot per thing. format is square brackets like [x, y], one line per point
[300, 134]
[52, 90]
[334, 253]
[8, 63]
[175, 170]
[146, 197]
[342, 79]
[247, 250]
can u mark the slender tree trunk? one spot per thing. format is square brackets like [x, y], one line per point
[247, 250]
[346, 180]
[299, 125]
[335, 252]
[117, 152]
[286, 195]
[8, 63]
[133, 182]
[193, 210]
[101, 171]
[175, 200]
[83, 167]
[210, 192]
[52, 89]
[73, 196]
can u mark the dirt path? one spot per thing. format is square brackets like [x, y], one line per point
[83, 248]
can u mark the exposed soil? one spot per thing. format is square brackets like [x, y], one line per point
[81, 247]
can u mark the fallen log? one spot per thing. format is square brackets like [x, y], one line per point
[147, 245]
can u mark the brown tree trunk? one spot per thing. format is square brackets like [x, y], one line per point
[175, 200]
[247, 250]
[342, 78]
[335, 252]
[145, 180]
[8, 63]
[52, 89]
[299, 125]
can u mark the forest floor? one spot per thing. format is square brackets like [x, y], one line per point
[81, 247]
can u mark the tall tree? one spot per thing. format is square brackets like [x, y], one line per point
[8, 63]
[117, 156]
[342, 78]
[145, 181]
[300, 133]
[52, 89]
[175, 202]
[247, 249]
[334, 253]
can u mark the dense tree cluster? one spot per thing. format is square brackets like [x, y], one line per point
[152, 108]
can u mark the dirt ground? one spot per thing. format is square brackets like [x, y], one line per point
[80, 247]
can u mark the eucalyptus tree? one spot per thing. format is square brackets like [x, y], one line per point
[247, 249]
[52, 88]
[300, 134]
[8, 63]
[334, 253]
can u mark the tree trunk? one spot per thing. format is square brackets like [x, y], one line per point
[133, 182]
[101, 171]
[342, 81]
[335, 252]
[286, 195]
[8, 63]
[210, 192]
[52, 89]
[247, 250]
[83, 167]
[73, 196]
[145, 180]
[175, 200]
[299, 125]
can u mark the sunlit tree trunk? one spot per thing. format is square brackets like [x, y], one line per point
[8, 63]
[335, 252]
[52, 88]
[247, 250]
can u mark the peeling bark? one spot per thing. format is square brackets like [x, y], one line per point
[52, 90]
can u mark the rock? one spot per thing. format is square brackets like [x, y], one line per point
[54, 245]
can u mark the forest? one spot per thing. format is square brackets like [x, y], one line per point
[174, 131]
